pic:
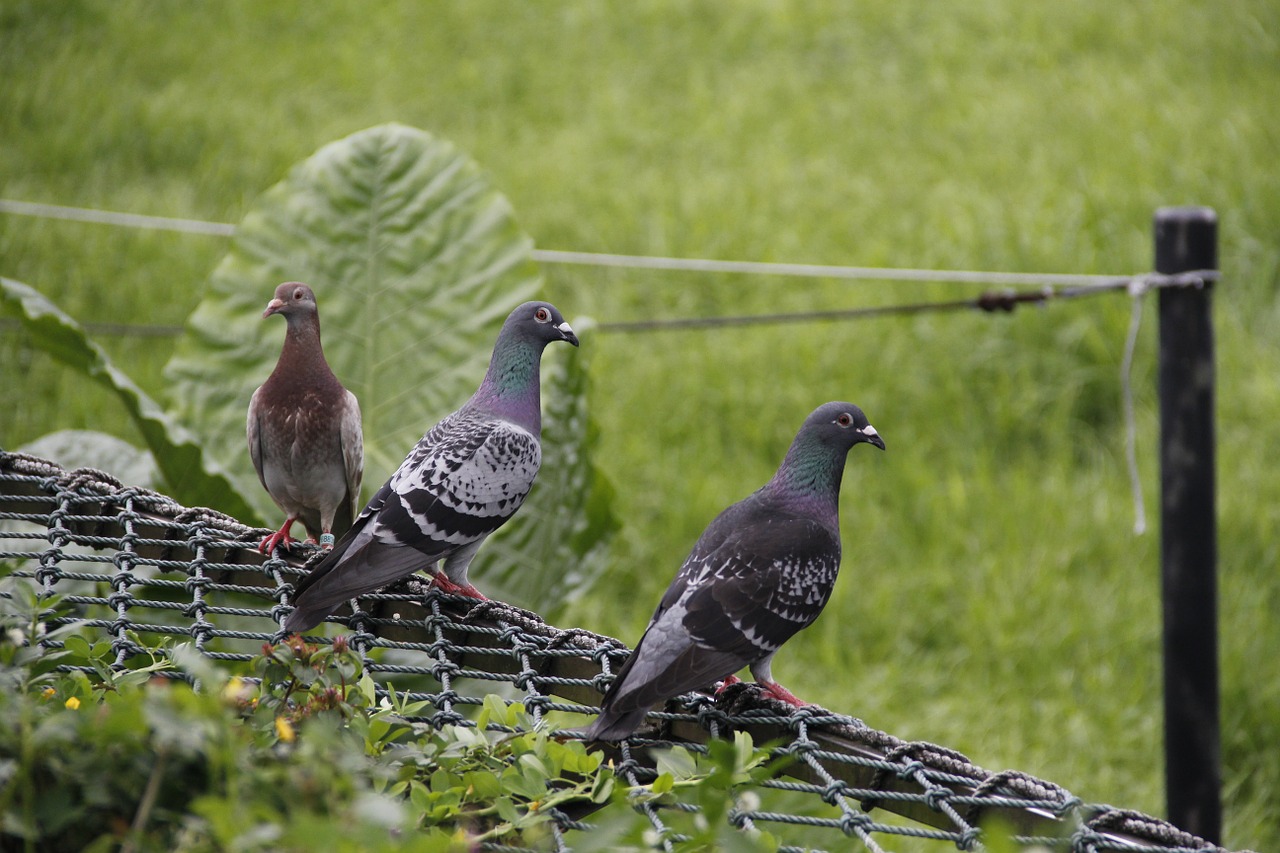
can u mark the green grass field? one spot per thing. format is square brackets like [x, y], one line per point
[994, 596]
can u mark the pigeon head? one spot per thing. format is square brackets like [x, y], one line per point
[524, 336]
[814, 465]
[840, 426]
[539, 323]
[511, 385]
[292, 299]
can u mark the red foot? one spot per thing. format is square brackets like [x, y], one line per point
[722, 686]
[777, 691]
[280, 537]
[446, 585]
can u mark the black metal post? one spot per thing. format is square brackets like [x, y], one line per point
[1186, 239]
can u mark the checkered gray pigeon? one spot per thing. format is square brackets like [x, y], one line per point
[761, 571]
[463, 480]
[304, 429]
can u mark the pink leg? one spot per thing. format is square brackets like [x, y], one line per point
[446, 585]
[720, 688]
[280, 537]
[777, 691]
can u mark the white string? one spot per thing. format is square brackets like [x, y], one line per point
[818, 270]
[109, 217]
[552, 256]
[1137, 289]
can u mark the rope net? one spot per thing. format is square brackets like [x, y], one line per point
[138, 567]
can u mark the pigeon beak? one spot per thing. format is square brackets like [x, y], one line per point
[273, 307]
[870, 436]
[566, 332]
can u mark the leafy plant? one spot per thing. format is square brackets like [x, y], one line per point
[416, 260]
[301, 752]
[190, 475]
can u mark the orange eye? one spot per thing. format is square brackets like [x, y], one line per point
[542, 315]
[845, 419]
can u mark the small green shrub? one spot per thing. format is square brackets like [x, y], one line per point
[298, 753]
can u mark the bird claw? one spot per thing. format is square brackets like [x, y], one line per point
[722, 686]
[443, 584]
[280, 538]
[774, 690]
[276, 540]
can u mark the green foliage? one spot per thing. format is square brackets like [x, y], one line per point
[189, 474]
[299, 753]
[408, 244]
[993, 597]
[308, 758]
[717, 782]
[415, 259]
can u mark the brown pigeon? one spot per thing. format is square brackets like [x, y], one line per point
[304, 429]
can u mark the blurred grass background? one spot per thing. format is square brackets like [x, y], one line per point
[994, 596]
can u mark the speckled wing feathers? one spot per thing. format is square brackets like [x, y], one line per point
[465, 478]
[755, 578]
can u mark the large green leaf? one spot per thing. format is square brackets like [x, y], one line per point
[80, 448]
[415, 260]
[188, 474]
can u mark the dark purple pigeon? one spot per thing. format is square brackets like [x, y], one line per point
[761, 571]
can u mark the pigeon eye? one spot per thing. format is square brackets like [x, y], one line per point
[297, 294]
[845, 419]
[542, 315]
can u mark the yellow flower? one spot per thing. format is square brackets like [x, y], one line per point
[73, 703]
[284, 730]
[48, 692]
[237, 690]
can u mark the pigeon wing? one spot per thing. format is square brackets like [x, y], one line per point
[749, 586]
[352, 440]
[253, 430]
[459, 484]
[465, 478]
[768, 581]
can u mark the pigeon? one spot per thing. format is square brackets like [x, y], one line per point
[304, 429]
[760, 572]
[463, 480]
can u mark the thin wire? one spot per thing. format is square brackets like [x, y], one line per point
[109, 217]
[1137, 290]
[552, 256]
[990, 302]
[768, 319]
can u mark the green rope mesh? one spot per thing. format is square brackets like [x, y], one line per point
[135, 565]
